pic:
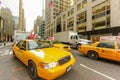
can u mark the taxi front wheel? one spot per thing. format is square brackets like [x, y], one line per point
[92, 55]
[32, 70]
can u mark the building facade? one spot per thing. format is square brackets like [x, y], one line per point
[92, 18]
[6, 25]
[41, 31]
[54, 8]
[16, 20]
[36, 24]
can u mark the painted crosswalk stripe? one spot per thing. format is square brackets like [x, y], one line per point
[10, 52]
[7, 52]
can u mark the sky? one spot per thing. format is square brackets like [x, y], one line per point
[32, 9]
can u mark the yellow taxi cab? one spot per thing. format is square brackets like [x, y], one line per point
[42, 59]
[59, 45]
[102, 49]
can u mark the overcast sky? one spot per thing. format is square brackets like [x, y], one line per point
[32, 9]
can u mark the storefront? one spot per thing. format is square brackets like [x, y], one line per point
[94, 35]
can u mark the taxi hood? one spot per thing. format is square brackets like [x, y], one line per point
[60, 45]
[50, 54]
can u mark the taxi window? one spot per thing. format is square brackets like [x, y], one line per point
[24, 45]
[19, 43]
[106, 45]
[38, 45]
[118, 45]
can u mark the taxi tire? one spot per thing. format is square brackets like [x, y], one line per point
[93, 55]
[32, 67]
[78, 46]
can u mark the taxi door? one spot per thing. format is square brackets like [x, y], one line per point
[24, 53]
[17, 49]
[118, 50]
[107, 50]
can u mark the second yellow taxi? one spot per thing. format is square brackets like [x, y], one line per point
[102, 49]
[59, 45]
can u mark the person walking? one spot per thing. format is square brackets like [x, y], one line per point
[4, 43]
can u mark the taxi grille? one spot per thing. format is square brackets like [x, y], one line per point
[64, 60]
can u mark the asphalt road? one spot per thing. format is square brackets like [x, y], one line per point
[84, 68]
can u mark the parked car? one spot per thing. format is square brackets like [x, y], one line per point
[59, 45]
[42, 59]
[102, 49]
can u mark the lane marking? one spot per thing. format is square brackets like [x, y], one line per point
[97, 72]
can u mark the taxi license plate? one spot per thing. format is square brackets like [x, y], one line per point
[69, 68]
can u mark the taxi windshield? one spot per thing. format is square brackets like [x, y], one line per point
[38, 45]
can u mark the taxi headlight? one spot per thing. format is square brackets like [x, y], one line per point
[49, 65]
[71, 56]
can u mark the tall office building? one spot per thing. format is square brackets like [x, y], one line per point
[53, 9]
[36, 24]
[16, 20]
[92, 18]
[21, 16]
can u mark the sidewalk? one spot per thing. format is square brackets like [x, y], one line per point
[7, 44]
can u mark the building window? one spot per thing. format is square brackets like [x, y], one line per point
[101, 15]
[70, 24]
[84, 3]
[79, 7]
[72, 11]
[81, 22]
[68, 13]
[93, 0]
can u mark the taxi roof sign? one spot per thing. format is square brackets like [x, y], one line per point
[110, 38]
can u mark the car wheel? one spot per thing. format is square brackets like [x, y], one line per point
[32, 70]
[14, 55]
[92, 55]
[78, 46]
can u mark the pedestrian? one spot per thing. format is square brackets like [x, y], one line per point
[4, 43]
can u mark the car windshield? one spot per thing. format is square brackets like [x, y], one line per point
[81, 37]
[38, 45]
